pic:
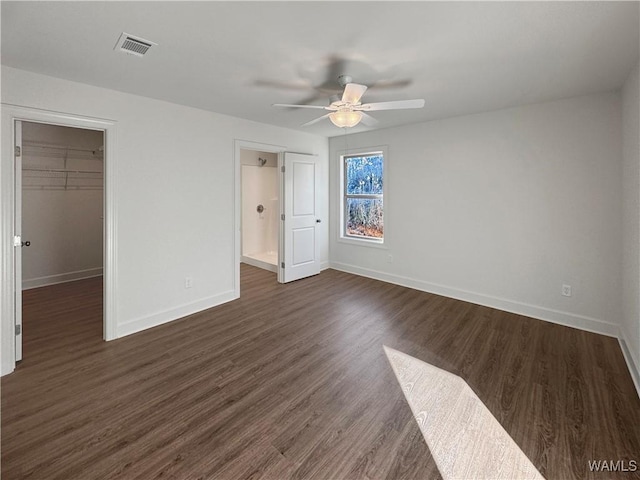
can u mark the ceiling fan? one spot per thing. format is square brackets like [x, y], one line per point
[348, 111]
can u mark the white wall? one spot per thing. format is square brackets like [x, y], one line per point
[502, 209]
[259, 187]
[630, 325]
[63, 226]
[175, 197]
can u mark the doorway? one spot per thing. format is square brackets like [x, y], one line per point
[297, 217]
[60, 215]
[10, 245]
[260, 209]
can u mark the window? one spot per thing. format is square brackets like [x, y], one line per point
[362, 202]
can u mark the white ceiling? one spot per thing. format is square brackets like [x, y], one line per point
[238, 58]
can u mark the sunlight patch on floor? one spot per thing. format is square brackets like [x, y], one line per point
[465, 439]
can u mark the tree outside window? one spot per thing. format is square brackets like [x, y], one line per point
[363, 196]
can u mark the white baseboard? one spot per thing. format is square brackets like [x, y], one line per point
[555, 316]
[160, 318]
[632, 364]
[273, 268]
[60, 278]
[259, 263]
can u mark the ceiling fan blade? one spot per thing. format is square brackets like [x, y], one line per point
[315, 120]
[283, 85]
[353, 92]
[390, 84]
[368, 120]
[299, 106]
[397, 105]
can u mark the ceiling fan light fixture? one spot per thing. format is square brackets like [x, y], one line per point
[347, 111]
[345, 118]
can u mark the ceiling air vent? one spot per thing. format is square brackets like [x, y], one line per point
[133, 45]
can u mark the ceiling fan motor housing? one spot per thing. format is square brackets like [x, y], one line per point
[343, 80]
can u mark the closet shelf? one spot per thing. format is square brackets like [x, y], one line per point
[61, 179]
[59, 167]
[60, 170]
[45, 150]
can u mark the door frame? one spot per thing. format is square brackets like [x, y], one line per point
[237, 202]
[11, 113]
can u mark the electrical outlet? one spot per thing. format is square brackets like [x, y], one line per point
[566, 290]
[389, 258]
[188, 282]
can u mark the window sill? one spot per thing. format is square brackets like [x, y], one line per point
[362, 242]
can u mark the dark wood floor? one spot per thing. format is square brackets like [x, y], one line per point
[291, 381]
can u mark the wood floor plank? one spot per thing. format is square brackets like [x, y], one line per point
[291, 382]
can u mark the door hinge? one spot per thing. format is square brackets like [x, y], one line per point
[282, 169]
[282, 264]
[18, 151]
[18, 329]
[17, 241]
[282, 216]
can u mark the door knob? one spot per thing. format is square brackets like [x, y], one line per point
[25, 244]
[318, 220]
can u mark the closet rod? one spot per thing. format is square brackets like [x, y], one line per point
[59, 170]
[51, 146]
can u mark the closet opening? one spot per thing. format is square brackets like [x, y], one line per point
[61, 212]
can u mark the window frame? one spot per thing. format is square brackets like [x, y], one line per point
[343, 237]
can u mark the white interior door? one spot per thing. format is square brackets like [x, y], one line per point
[300, 249]
[18, 241]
